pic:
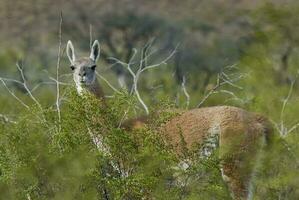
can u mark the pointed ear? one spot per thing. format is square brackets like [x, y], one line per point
[70, 52]
[95, 51]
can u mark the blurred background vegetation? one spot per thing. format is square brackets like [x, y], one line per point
[256, 39]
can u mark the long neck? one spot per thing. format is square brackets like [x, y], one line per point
[94, 88]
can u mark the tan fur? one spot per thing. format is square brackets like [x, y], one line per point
[239, 140]
[96, 89]
[135, 123]
[240, 134]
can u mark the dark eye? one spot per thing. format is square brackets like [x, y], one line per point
[93, 67]
[72, 67]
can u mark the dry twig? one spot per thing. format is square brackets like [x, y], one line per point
[141, 68]
[57, 72]
[223, 79]
[185, 92]
[280, 126]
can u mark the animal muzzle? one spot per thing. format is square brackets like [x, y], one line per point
[82, 79]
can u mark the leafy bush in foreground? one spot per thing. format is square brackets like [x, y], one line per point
[42, 158]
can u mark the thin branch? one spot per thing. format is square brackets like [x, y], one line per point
[141, 68]
[231, 94]
[5, 119]
[28, 197]
[185, 92]
[57, 71]
[230, 81]
[210, 92]
[48, 83]
[285, 102]
[280, 126]
[12, 80]
[163, 62]
[276, 126]
[24, 84]
[223, 79]
[145, 53]
[293, 128]
[90, 36]
[123, 117]
[107, 82]
[13, 94]
[26, 87]
[140, 99]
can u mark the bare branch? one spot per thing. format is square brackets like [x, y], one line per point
[280, 126]
[185, 92]
[12, 80]
[145, 53]
[48, 83]
[24, 84]
[13, 94]
[123, 117]
[223, 79]
[107, 82]
[163, 62]
[26, 87]
[5, 119]
[294, 127]
[90, 36]
[229, 81]
[285, 101]
[57, 71]
[212, 91]
[141, 68]
[234, 97]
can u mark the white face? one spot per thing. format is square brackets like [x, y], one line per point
[83, 68]
[84, 71]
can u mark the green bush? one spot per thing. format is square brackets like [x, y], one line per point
[42, 158]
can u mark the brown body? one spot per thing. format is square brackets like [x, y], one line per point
[197, 124]
[240, 134]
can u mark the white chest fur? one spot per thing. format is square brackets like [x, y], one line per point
[79, 89]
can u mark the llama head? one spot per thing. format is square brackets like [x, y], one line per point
[83, 68]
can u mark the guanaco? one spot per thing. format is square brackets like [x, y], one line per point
[239, 134]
